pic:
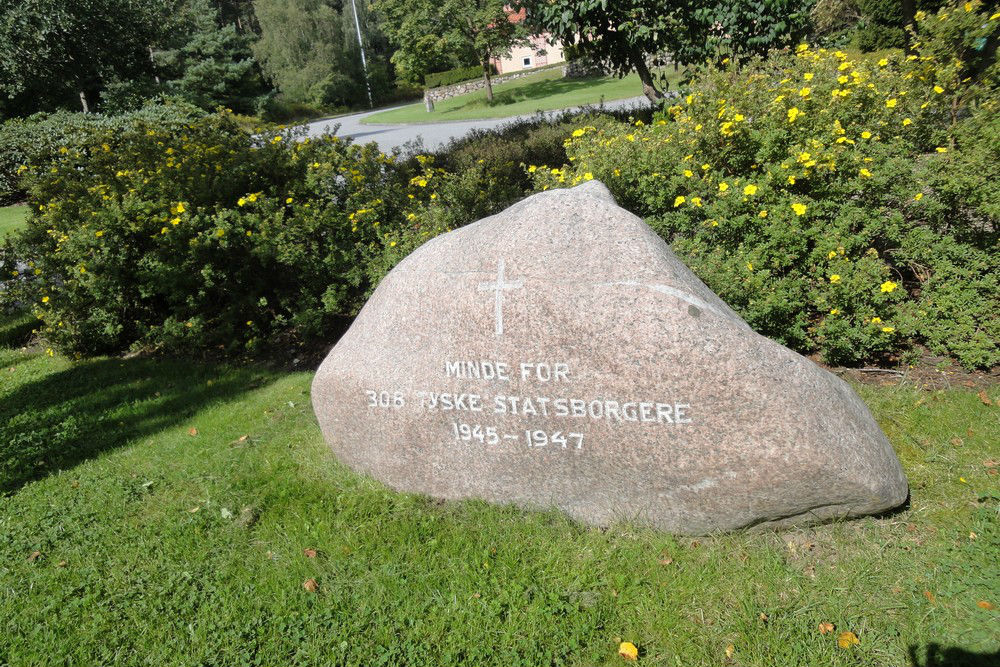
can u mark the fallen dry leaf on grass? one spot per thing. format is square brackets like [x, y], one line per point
[929, 596]
[310, 585]
[730, 650]
[192, 432]
[310, 553]
[825, 628]
[628, 651]
[847, 639]
[61, 563]
[988, 606]
[35, 555]
[984, 398]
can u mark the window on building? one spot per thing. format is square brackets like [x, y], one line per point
[526, 61]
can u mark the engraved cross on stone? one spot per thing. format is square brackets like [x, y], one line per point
[498, 287]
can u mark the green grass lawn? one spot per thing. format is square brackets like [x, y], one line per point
[158, 512]
[11, 219]
[539, 92]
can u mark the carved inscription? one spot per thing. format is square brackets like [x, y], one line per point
[554, 400]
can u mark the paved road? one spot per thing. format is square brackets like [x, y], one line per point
[433, 135]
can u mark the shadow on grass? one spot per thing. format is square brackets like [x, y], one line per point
[16, 330]
[952, 656]
[532, 91]
[66, 417]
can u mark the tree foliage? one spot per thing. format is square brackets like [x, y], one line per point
[632, 35]
[54, 51]
[208, 63]
[425, 31]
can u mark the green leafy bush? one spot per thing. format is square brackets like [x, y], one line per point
[200, 236]
[204, 236]
[841, 206]
[37, 139]
[438, 79]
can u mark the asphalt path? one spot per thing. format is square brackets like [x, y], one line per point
[431, 136]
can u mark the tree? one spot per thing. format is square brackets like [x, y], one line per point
[206, 63]
[484, 28]
[55, 51]
[631, 35]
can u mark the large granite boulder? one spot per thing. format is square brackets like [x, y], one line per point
[558, 354]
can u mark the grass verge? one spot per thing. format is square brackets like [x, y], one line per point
[11, 219]
[544, 91]
[158, 511]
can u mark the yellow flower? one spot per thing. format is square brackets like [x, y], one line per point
[249, 323]
[968, 7]
[866, 135]
[688, 173]
[835, 278]
[179, 208]
[888, 329]
[835, 311]
[883, 62]
[578, 132]
[907, 121]
[241, 201]
[680, 199]
[289, 200]
[706, 167]
[941, 149]
[628, 651]
[918, 196]
[723, 186]
[831, 254]
[938, 89]
[794, 113]
[175, 221]
[844, 65]
[750, 266]
[45, 299]
[750, 190]
[799, 209]
[163, 230]
[805, 92]
[791, 180]
[277, 139]
[696, 201]
[888, 286]
[588, 176]
[842, 79]
[865, 173]
[99, 234]
[808, 76]
[876, 320]
[762, 214]
[392, 244]
[252, 197]
[220, 232]
[891, 103]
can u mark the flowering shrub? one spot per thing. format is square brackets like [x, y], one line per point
[201, 235]
[841, 204]
[37, 138]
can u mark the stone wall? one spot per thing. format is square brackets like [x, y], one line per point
[456, 89]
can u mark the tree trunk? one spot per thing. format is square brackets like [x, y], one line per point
[649, 88]
[83, 102]
[486, 78]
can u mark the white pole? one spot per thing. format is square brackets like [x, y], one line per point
[364, 61]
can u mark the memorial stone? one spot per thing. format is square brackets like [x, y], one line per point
[559, 355]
